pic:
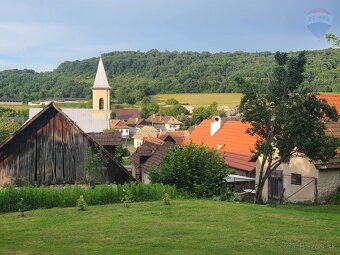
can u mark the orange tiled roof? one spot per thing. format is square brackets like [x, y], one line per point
[231, 140]
[332, 99]
[118, 124]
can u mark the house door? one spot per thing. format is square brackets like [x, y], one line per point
[275, 186]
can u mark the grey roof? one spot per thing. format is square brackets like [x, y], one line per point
[84, 118]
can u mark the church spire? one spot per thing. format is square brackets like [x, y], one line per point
[101, 90]
[101, 79]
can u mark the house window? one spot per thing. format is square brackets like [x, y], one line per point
[101, 104]
[296, 179]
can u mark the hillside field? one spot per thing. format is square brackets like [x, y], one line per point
[202, 99]
[184, 227]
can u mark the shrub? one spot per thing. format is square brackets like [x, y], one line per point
[95, 165]
[166, 198]
[14, 199]
[171, 101]
[127, 198]
[195, 169]
[335, 198]
[81, 203]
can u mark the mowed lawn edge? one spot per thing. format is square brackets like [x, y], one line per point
[184, 227]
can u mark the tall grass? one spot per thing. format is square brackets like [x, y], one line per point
[66, 196]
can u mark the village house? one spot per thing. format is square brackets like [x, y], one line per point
[142, 134]
[302, 180]
[135, 124]
[121, 127]
[51, 149]
[149, 154]
[164, 123]
[229, 138]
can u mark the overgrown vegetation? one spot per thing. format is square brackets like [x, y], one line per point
[195, 169]
[95, 165]
[14, 199]
[135, 75]
[10, 121]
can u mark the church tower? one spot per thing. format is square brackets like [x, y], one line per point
[101, 90]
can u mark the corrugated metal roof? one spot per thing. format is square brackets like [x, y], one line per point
[87, 119]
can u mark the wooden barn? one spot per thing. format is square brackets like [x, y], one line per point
[51, 149]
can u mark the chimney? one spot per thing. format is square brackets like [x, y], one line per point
[215, 125]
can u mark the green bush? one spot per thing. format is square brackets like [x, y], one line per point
[81, 203]
[67, 196]
[335, 199]
[195, 169]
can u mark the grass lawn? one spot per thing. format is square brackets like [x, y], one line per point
[202, 99]
[185, 227]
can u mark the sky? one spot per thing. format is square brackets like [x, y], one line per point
[40, 34]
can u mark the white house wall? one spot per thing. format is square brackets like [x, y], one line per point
[294, 193]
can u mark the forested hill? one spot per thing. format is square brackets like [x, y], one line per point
[136, 74]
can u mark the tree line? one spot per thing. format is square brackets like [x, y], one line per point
[134, 75]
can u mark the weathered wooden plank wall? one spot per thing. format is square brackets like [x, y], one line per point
[50, 150]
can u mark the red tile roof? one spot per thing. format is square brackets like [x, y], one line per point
[231, 140]
[118, 124]
[332, 99]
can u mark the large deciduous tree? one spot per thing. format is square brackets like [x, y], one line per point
[286, 118]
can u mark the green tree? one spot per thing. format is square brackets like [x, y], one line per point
[171, 101]
[7, 127]
[334, 39]
[121, 152]
[112, 115]
[149, 109]
[95, 165]
[175, 110]
[194, 169]
[287, 119]
[201, 113]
